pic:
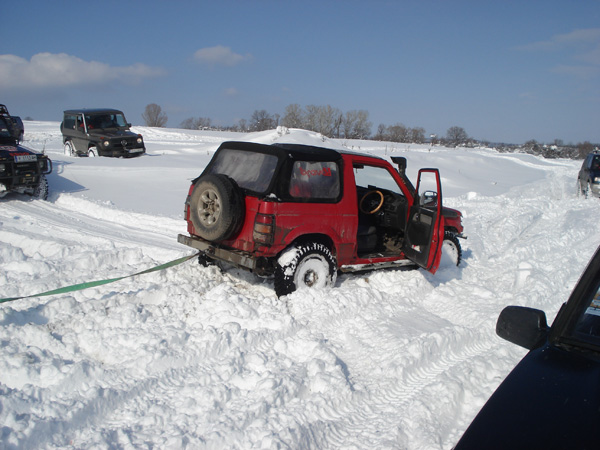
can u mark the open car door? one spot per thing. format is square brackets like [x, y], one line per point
[424, 232]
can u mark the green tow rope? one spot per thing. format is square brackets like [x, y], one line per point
[81, 286]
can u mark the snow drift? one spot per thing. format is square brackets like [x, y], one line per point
[194, 357]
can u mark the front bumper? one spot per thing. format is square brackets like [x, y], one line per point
[23, 175]
[124, 152]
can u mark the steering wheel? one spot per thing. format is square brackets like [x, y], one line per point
[378, 205]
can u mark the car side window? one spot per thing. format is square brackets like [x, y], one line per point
[69, 122]
[315, 180]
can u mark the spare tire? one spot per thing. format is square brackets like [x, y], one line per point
[216, 207]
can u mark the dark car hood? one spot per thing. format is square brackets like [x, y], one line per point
[113, 133]
[550, 400]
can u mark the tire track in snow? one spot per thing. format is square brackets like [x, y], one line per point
[71, 224]
[396, 395]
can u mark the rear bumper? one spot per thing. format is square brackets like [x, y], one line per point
[238, 258]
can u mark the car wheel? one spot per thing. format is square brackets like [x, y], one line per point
[92, 152]
[587, 191]
[305, 266]
[69, 150]
[451, 250]
[216, 207]
[41, 190]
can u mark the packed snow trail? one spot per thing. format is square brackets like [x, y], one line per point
[195, 357]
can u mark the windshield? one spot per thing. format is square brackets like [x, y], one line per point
[97, 121]
[4, 129]
[251, 170]
[375, 176]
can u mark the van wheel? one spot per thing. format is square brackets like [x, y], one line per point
[92, 152]
[216, 207]
[451, 250]
[308, 265]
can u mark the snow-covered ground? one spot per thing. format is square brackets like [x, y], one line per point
[193, 357]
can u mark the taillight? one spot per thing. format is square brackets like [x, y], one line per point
[264, 228]
[186, 206]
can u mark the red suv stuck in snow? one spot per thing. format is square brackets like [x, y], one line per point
[302, 213]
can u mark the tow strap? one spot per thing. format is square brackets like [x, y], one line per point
[81, 286]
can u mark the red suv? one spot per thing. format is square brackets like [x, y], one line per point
[302, 213]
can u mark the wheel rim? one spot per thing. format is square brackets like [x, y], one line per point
[68, 150]
[312, 272]
[209, 207]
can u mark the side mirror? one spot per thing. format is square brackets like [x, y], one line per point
[523, 326]
[401, 162]
[429, 198]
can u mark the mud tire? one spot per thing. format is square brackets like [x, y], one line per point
[309, 265]
[41, 190]
[451, 249]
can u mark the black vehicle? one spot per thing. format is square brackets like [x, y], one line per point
[551, 400]
[99, 132]
[21, 169]
[14, 123]
[588, 180]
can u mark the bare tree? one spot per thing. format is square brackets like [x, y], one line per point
[201, 123]
[327, 117]
[188, 124]
[362, 125]
[154, 116]
[261, 120]
[381, 134]
[417, 135]
[456, 136]
[311, 118]
[584, 148]
[398, 133]
[293, 117]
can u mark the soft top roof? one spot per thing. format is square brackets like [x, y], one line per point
[93, 111]
[295, 151]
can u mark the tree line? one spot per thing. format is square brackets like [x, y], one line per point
[331, 122]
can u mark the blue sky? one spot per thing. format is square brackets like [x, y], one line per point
[503, 70]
